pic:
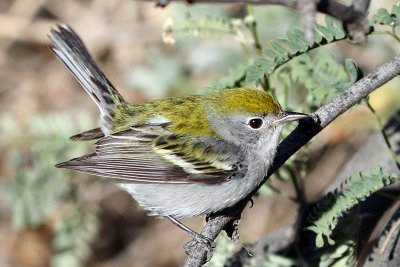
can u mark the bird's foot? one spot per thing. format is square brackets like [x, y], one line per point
[206, 242]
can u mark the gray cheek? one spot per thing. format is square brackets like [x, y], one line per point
[234, 129]
[248, 136]
[227, 129]
[254, 136]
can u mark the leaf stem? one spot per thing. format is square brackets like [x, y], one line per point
[394, 30]
[252, 24]
[299, 192]
[279, 192]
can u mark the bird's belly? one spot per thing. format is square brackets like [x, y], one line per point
[188, 200]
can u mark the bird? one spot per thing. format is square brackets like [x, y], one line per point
[178, 157]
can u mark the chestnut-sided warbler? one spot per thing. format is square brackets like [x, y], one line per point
[178, 157]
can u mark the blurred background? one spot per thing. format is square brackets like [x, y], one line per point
[54, 217]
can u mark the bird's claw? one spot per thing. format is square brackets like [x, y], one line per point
[206, 242]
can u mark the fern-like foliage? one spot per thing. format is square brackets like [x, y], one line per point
[38, 188]
[344, 254]
[205, 27]
[332, 207]
[234, 78]
[222, 256]
[215, 28]
[321, 75]
[281, 50]
[224, 249]
[73, 235]
[383, 16]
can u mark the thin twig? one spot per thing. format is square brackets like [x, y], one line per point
[385, 137]
[300, 197]
[253, 29]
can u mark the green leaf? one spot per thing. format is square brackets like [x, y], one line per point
[332, 207]
[269, 54]
[328, 35]
[65, 259]
[343, 254]
[293, 39]
[396, 14]
[39, 187]
[301, 39]
[285, 44]
[335, 27]
[234, 78]
[205, 27]
[383, 17]
[318, 38]
[352, 70]
[281, 52]
[258, 69]
[266, 190]
[320, 75]
[319, 240]
[278, 260]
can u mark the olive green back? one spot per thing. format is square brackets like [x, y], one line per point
[188, 114]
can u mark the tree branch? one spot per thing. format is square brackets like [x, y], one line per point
[329, 7]
[299, 137]
[353, 16]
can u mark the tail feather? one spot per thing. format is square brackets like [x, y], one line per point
[70, 49]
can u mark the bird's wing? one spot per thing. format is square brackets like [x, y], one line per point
[152, 154]
[88, 135]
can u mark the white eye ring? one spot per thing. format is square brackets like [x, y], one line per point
[255, 123]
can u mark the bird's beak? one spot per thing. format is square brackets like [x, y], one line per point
[287, 116]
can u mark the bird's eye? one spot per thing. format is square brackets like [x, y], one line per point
[256, 123]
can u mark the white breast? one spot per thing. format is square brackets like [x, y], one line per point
[189, 200]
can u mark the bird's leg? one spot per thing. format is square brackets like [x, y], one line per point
[197, 238]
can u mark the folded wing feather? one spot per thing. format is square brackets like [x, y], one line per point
[152, 154]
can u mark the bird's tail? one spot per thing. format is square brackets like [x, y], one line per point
[69, 48]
